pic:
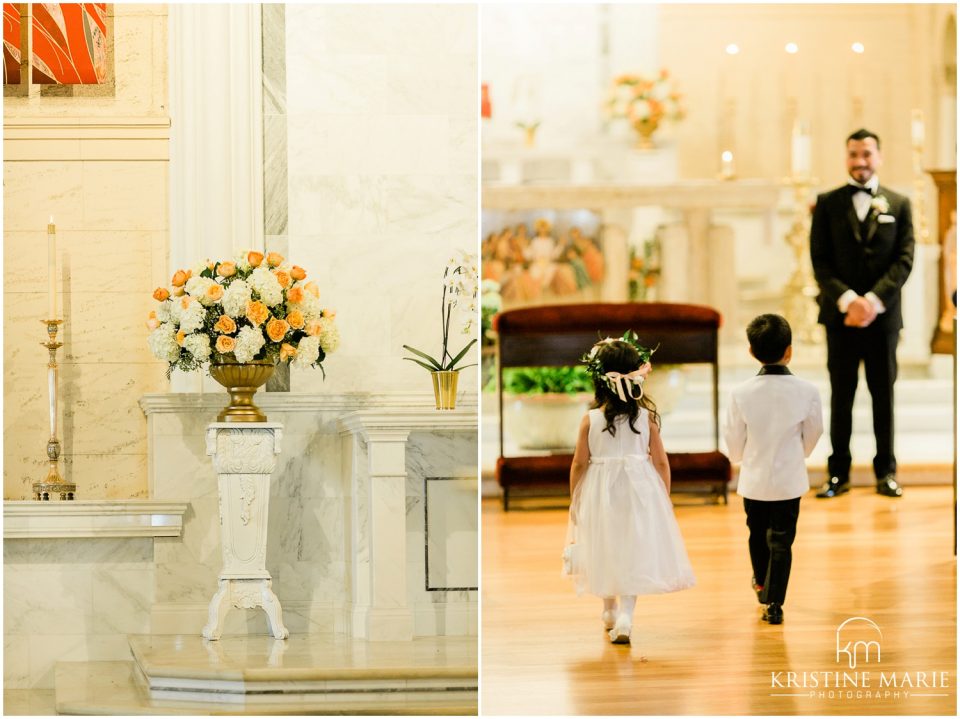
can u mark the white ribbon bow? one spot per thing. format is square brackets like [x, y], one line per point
[617, 382]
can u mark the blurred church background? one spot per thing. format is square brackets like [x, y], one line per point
[345, 139]
[701, 192]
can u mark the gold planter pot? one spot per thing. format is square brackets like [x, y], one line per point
[445, 388]
[242, 382]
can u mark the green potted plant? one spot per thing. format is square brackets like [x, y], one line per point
[543, 405]
[459, 285]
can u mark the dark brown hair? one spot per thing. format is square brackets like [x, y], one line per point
[619, 356]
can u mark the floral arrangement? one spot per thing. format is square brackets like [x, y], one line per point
[643, 102]
[459, 283]
[256, 307]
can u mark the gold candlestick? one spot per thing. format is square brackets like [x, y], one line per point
[800, 301]
[54, 486]
[917, 133]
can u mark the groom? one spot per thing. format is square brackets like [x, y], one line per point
[861, 246]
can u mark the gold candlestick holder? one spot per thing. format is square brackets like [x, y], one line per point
[800, 300]
[54, 486]
[919, 200]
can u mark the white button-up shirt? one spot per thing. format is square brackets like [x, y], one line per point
[773, 423]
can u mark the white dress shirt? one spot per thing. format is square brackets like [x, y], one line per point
[861, 205]
[773, 423]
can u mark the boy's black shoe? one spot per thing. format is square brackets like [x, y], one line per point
[773, 614]
[834, 486]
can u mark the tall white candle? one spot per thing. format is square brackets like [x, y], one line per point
[800, 150]
[916, 127]
[52, 269]
[726, 165]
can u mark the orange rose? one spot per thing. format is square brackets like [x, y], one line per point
[152, 321]
[312, 288]
[254, 258]
[277, 329]
[180, 337]
[185, 301]
[282, 277]
[313, 328]
[287, 351]
[274, 259]
[178, 291]
[160, 294]
[225, 344]
[180, 278]
[295, 318]
[214, 292]
[298, 273]
[226, 325]
[257, 313]
[211, 264]
[227, 269]
[295, 294]
[328, 313]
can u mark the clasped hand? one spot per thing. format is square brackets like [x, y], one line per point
[860, 313]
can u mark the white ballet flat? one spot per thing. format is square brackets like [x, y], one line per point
[620, 634]
[609, 618]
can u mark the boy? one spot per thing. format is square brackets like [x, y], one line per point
[773, 423]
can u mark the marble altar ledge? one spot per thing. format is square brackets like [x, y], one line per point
[29, 519]
[304, 657]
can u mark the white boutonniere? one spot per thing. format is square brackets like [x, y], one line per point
[880, 205]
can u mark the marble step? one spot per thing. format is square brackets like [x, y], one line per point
[306, 674]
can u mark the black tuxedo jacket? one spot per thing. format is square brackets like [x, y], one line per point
[873, 257]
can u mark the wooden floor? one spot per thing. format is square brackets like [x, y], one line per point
[705, 650]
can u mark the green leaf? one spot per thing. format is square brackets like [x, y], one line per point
[437, 366]
[459, 357]
[422, 364]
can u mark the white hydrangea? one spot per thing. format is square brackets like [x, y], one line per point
[164, 309]
[311, 307]
[267, 286]
[163, 343]
[197, 344]
[197, 286]
[329, 335]
[307, 352]
[235, 299]
[249, 342]
[191, 318]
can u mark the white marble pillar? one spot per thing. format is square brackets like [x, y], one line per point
[244, 456]
[381, 610]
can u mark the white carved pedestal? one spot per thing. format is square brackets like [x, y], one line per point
[244, 456]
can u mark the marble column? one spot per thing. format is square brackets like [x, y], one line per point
[381, 610]
[244, 456]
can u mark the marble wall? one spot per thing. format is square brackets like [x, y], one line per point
[72, 600]
[554, 63]
[99, 166]
[380, 156]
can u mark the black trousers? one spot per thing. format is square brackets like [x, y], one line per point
[876, 347]
[773, 526]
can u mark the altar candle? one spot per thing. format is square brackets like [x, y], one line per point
[916, 127]
[726, 165]
[800, 151]
[52, 268]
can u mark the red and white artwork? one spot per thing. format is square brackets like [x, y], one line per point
[11, 43]
[69, 43]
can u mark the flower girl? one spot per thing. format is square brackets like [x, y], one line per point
[623, 539]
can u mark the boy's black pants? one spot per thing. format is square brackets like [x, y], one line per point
[773, 526]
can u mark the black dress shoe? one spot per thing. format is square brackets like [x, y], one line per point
[773, 614]
[888, 486]
[834, 486]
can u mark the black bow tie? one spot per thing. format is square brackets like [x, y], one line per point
[854, 189]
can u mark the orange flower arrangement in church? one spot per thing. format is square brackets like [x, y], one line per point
[255, 308]
[645, 103]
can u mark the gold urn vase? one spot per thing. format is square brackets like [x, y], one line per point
[445, 388]
[645, 129]
[242, 381]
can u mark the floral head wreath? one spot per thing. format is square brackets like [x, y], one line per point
[622, 385]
